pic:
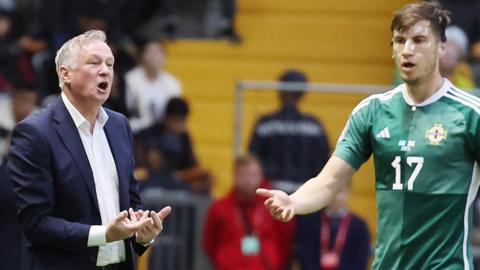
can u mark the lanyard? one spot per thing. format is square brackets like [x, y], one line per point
[249, 229]
[247, 225]
[340, 237]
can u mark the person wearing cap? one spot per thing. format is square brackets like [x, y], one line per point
[291, 145]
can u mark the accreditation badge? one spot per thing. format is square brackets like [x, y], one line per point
[330, 261]
[250, 245]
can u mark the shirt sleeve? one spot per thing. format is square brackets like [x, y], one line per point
[354, 144]
[97, 236]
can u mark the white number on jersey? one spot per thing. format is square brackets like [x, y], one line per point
[411, 161]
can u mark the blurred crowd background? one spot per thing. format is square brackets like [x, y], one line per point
[177, 63]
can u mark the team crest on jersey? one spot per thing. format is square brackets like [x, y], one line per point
[436, 134]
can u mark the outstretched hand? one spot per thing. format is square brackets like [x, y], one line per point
[278, 204]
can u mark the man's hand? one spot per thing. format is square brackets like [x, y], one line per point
[149, 232]
[122, 227]
[278, 204]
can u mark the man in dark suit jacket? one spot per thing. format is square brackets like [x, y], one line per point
[72, 169]
[10, 238]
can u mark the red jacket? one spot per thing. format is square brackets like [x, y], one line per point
[224, 228]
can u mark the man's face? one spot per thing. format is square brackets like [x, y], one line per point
[248, 178]
[416, 52]
[91, 78]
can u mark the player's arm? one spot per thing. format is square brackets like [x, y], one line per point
[313, 195]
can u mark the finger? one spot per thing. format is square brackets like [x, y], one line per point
[145, 214]
[268, 203]
[279, 212]
[141, 224]
[133, 215]
[264, 192]
[164, 212]
[157, 221]
[121, 216]
[286, 214]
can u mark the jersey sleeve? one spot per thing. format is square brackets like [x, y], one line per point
[354, 144]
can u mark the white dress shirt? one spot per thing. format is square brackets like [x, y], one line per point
[106, 182]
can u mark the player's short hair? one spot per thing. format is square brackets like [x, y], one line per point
[431, 11]
[65, 55]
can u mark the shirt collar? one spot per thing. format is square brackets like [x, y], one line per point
[436, 96]
[78, 118]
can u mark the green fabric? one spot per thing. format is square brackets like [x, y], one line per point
[425, 167]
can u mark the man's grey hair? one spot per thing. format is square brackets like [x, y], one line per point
[67, 53]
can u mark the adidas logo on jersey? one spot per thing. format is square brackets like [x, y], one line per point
[385, 134]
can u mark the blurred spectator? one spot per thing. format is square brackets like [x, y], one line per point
[452, 63]
[334, 239]
[15, 58]
[149, 87]
[160, 172]
[13, 108]
[239, 233]
[292, 146]
[172, 135]
[151, 17]
[466, 15]
[228, 23]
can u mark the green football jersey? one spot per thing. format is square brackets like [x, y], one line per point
[425, 158]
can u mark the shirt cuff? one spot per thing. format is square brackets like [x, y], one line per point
[97, 236]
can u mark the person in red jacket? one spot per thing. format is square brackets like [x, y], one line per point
[239, 233]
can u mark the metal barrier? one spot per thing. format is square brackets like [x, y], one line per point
[294, 87]
[178, 247]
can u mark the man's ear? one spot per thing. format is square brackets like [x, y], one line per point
[65, 74]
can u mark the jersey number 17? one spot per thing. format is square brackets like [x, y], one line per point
[417, 162]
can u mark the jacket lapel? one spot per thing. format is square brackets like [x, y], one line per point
[68, 132]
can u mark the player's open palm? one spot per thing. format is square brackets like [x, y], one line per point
[278, 204]
[122, 227]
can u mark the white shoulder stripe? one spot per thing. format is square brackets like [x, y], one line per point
[464, 102]
[466, 96]
[384, 96]
[472, 193]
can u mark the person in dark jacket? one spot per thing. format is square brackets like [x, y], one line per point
[333, 239]
[291, 145]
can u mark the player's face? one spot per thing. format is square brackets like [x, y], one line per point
[416, 52]
[91, 78]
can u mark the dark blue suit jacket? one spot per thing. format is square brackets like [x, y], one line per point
[56, 198]
[10, 236]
